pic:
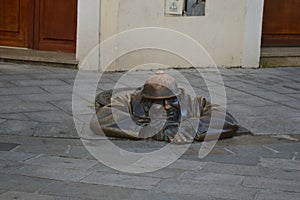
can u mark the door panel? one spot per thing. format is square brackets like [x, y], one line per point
[16, 23]
[281, 26]
[56, 22]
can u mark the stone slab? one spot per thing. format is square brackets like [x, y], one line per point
[25, 107]
[272, 184]
[277, 195]
[50, 116]
[9, 167]
[22, 183]
[86, 191]
[45, 97]
[276, 163]
[7, 146]
[21, 90]
[4, 84]
[15, 116]
[17, 127]
[39, 83]
[120, 180]
[147, 195]
[12, 195]
[15, 156]
[60, 162]
[59, 129]
[211, 178]
[60, 89]
[243, 170]
[205, 190]
[52, 173]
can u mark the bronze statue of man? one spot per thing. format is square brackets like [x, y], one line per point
[159, 110]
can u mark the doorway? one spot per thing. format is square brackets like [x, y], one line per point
[39, 24]
[281, 23]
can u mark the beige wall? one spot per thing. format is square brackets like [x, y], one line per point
[220, 32]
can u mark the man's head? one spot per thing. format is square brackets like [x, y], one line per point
[160, 86]
[161, 90]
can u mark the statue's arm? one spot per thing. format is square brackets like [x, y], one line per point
[114, 120]
[219, 125]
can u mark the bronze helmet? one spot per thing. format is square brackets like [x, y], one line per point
[160, 86]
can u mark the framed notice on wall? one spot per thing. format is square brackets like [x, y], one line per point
[174, 7]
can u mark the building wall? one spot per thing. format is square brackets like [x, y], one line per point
[228, 31]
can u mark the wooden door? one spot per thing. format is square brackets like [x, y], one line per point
[281, 23]
[39, 24]
[16, 23]
[55, 25]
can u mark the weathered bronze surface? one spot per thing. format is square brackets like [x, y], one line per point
[159, 110]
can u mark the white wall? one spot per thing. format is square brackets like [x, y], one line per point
[220, 32]
[88, 32]
[230, 31]
[252, 33]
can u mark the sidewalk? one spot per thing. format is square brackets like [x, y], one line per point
[42, 157]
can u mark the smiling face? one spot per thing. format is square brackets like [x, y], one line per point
[170, 105]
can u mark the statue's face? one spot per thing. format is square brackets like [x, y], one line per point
[171, 106]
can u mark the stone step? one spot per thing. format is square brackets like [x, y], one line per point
[29, 56]
[280, 57]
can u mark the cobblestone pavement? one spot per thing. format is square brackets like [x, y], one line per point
[41, 156]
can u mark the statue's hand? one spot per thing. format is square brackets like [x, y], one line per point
[179, 134]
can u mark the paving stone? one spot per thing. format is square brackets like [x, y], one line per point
[63, 150]
[81, 108]
[205, 190]
[54, 76]
[15, 156]
[232, 159]
[22, 183]
[60, 162]
[146, 195]
[11, 195]
[39, 82]
[60, 129]
[25, 107]
[163, 173]
[7, 146]
[21, 90]
[50, 116]
[243, 170]
[52, 173]
[2, 191]
[13, 77]
[9, 99]
[4, 84]
[272, 184]
[16, 127]
[61, 89]
[277, 195]
[186, 165]
[86, 191]
[287, 174]
[45, 97]
[280, 163]
[8, 167]
[15, 116]
[292, 148]
[120, 180]
[270, 125]
[265, 151]
[211, 178]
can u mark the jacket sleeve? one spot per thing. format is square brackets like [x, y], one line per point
[114, 120]
[219, 125]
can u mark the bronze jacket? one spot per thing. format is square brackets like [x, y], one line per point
[124, 116]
